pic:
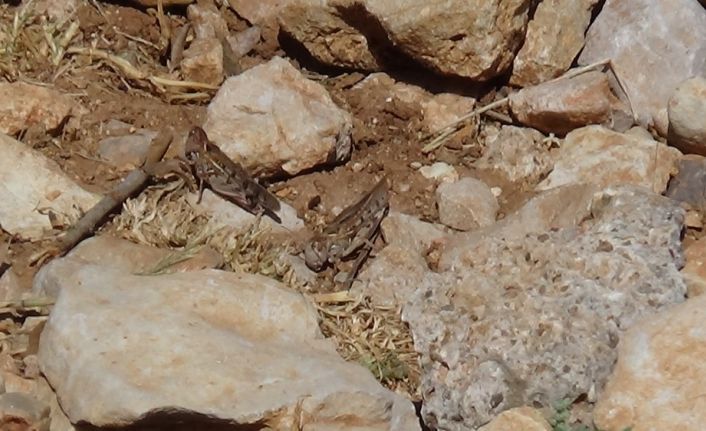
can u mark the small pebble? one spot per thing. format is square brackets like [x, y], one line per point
[403, 187]
[415, 165]
[357, 167]
[497, 191]
[440, 171]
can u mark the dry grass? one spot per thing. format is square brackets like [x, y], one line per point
[371, 335]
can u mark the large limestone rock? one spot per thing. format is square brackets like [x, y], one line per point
[518, 316]
[658, 382]
[597, 155]
[554, 37]
[25, 105]
[33, 189]
[654, 45]
[204, 347]
[687, 116]
[272, 120]
[474, 39]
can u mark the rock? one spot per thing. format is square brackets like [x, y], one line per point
[554, 37]
[153, 3]
[475, 39]
[224, 213]
[20, 412]
[600, 156]
[694, 271]
[203, 61]
[659, 378]
[687, 116]
[258, 11]
[445, 108]
[27, 105]
[272, 119]
[10, 288]
[665, 56]
[466, 204]
[126, 147]
[328, 35]
[32, 187]
[439, 171]
[518, 154]
[243, 42]
[267, 360]
[689, 184]
[207, 21]
[567, 104]
[516, 319]
[56, 10]
[519, 418]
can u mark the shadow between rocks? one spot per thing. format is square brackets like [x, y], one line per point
[170, 420]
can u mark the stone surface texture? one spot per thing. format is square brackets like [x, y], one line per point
[658, 381]
[687, 116]
[207, 21]
[259, 11]
[31, 186]
[26, 105]
[125, 147]
[518, 154]
[272, 119]
[520, 318]
[248, 352]
[604, 157]
[203, 61]
[654, 45]
[567, 104]
[694, 271]
[518, 419]
[466, 204]
[688, 185]
[554, 37]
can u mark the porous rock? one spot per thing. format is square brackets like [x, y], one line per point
[33, 186]
[555, 35]
[531, 319]
[566, 104]
[126, 336]
[272, 119]
[659, 378]
[25, 105]
[649, 63]
[601, 156]
[517, 153]
[687, 116]
[466, 204]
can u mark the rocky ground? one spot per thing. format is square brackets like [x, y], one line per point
[540, 266]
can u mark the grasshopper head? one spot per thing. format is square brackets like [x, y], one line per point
[315, 255]
[196, 142]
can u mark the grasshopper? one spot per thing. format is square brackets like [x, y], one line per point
[351, 234]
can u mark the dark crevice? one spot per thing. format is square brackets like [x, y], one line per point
[170, 420]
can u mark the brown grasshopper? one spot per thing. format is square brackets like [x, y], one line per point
[350, 234]
[210, 166]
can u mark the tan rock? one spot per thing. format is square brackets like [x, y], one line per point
[554, 37]
[243, 42]
[273, 119]
[476, 39]
[445, 108]
[694, 271]
[259, 11]
[25, 105]
[466, 204]
[207, 21]
[650, 63]
[326, 34]
[267, 360]
[153, 3]
[567, 104]
[31, 185]
[687, 116]
[519, 418]
[600, 156]
[659, 378]
[203, 61]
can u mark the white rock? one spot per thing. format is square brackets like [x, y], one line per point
[466, 204]
[25, 105]
[658, 381]
[650, 63]
[203, 61]
[439, 171]
[30, 183]
[687, 116]
[272, 119]
[519, 154]
[207, 21]
[597, 155]
[224, 213]
[243, 42]
[245, 349]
